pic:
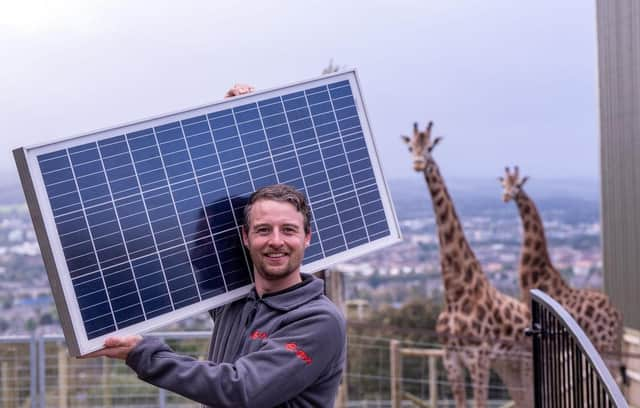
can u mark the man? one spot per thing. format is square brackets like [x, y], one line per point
[283, 345]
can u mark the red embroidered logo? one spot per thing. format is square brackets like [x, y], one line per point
[258, 335]
[299, 352]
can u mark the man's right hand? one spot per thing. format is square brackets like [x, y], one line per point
[116, 347]
[239, 89]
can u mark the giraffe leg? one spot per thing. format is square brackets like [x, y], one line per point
[477, 360]
[616, 368]
[526, 374]
[508, 369]
[455, 374]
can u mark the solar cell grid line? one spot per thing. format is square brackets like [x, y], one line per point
[157, 294]
[339, 239]
[303, 188]
[357, 222]
[162, 224]
[189, 295]
[137, 289]
[228, 197]
[140, 225]
[110, 251]
[268, 145]
[156, 299]
[337, 145]
[206, 220]
[107, 325]
[334, 134]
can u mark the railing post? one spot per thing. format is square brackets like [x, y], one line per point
[396, 374]
[63, 383]
[535, 332]
[433, 382]
[33, 371]
[42, 386]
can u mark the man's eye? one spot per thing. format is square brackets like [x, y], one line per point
[262, 231]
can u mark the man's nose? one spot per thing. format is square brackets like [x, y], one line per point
[276, 238]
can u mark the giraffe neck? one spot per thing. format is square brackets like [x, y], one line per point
[461, 271]
[536, 269]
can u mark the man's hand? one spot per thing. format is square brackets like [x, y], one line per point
[116, 347]
[239, 89]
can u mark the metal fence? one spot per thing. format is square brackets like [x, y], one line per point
[38, 372]
[568, 371]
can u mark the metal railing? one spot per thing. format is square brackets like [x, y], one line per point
[568, 371]
[17, 371]
[37, 372]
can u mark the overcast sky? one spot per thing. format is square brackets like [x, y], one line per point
[505, 82]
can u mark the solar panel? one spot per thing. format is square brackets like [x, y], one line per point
[139, 225]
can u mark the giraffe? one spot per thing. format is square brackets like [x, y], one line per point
[478, 324]
[593, 310]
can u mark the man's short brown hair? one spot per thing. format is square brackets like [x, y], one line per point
[282, 193]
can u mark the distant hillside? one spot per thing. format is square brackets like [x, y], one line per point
[588, 190]
[578, 199]
[465, 192]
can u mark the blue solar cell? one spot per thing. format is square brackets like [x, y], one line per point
[198, 127]
[53, 161]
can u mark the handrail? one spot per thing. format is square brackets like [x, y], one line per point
[585, 345]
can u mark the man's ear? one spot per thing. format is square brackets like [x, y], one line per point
[245, 238]
[307, 239]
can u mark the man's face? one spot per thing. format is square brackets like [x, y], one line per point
[276, 239]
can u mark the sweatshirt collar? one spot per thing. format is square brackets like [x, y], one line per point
[293, 296]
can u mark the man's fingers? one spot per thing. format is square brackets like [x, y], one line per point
[115, 341]
[116, 347]
[95, 354]
[124, 341]
[239, 89]
[111, 352]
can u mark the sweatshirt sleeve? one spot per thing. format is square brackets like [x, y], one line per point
[289, 360]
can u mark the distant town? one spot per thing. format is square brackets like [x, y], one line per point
[392, 275]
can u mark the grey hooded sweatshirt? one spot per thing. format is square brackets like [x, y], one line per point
[286, 349]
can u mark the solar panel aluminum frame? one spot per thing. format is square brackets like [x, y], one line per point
[51, 248]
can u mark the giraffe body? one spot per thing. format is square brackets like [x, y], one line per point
[594, 312]
[478, 324]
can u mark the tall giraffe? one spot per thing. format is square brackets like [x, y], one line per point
[593, 310]
[478, 323]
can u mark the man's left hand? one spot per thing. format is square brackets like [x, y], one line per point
[116, 347]
[239, 89]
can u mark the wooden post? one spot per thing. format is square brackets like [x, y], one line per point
[433, 382]
[396, 371]
[334, 289]
[395, 367]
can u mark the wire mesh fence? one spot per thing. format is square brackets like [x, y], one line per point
[420, 377]
[17, 368]
[38, 372]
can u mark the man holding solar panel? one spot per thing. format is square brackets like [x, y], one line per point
[281, 345]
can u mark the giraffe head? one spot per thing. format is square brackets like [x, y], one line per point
[421, 145]
[511, 183]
